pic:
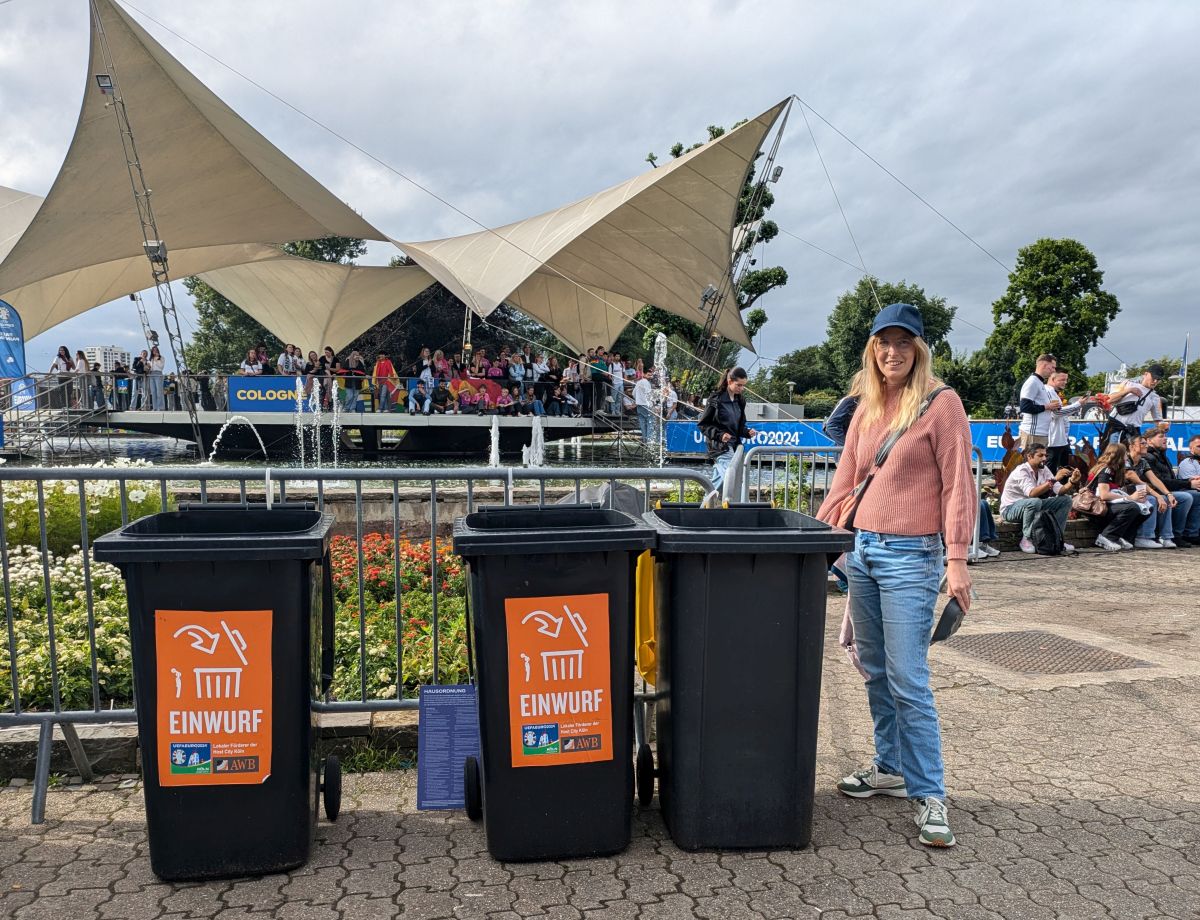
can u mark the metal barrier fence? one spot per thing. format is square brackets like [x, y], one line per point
[779, 474]
[42, 508]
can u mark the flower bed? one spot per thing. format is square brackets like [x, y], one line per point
[68, 594]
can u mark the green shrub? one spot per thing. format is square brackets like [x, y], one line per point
[63, 533]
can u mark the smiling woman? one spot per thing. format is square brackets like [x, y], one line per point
[924, 499]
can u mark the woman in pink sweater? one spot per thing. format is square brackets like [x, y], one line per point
[921, 497]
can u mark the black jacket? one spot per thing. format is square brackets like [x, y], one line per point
[713, 423]
[1161, 467]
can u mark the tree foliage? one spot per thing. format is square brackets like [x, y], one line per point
[1055, 303]
[849, 324]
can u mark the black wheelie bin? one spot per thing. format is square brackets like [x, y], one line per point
[230, 616]
[551, 593]
[740, 622]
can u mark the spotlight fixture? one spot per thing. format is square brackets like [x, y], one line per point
[708, 294]
[104, 81]
[776, 173]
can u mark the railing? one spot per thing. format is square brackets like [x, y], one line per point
[791, 477]
[45, 511]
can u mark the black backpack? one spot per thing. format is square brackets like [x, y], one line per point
[1047, 535]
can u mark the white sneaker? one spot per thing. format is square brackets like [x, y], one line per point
[1068, 548]
[978, 555]
[1107, 545]
[1146, 543]
[1026, 546]
[935, 827]
[1168, 544]
[1125, 544]
[862, 784]
[989, 550]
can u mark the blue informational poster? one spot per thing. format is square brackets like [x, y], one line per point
[447, 734]
[12, 342]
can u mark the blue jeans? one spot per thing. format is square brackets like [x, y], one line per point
[1184, 517]
[1150, 522]
[720, 465]
[987, 523]
[893, 589]
[643, 414]
[1190, 527]
[154, 382]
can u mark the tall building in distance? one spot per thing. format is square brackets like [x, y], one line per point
[107, 356]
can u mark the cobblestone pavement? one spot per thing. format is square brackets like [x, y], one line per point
[1074, 796]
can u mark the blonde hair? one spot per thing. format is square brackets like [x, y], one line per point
[871, 388]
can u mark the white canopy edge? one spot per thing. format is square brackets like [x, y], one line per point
[216, 182]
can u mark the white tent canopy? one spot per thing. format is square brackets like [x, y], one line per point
[313, 304]
[658, 238]
[225, 198]
[216, 183]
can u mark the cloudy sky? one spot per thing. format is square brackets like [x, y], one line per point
[1017, 120]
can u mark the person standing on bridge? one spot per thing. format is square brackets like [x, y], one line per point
[924, 498]
[154, 380]
[723, 423]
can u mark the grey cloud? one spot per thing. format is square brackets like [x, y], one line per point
[1018, 120]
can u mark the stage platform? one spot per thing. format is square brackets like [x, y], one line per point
[369, 433]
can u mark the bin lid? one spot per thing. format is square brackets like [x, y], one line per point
[521, 529]
[745, 530]
[209, 533]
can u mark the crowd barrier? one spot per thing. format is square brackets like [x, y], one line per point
[41, 508]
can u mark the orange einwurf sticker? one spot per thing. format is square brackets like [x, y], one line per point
[559, 679]
[214, 696]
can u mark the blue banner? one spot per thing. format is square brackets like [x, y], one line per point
[685, 437]
[12, 342]
[263, 394]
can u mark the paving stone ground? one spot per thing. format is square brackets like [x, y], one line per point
[1074, 796]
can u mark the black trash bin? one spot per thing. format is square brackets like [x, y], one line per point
[551, 595]
[740, 621]
[229, 610]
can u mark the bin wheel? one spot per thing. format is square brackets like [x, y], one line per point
[331, 787]
[645, 775]
[472, 792]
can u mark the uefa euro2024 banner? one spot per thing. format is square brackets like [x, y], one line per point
[685, 437]
[12, 342]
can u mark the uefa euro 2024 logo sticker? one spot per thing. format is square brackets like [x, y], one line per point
[540, 739]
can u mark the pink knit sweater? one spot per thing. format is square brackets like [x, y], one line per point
[925, 486]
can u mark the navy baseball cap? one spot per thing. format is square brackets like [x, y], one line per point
[904, 315]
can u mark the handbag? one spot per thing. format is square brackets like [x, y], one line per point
[849, 505]
[1088, 502]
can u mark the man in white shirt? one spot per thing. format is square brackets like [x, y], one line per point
[1131, 404]
[643, 400]
[616, 383]
[1037, 400]
[1031, 489]
[1058, 446]
[1189, 467]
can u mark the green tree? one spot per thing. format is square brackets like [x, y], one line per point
[806, 369]
[849, 324]
[1055, 303]
[224, 331]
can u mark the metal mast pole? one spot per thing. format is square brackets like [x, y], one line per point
[148, 334]
[1186, 342]
[155, 248]
[745, 238]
